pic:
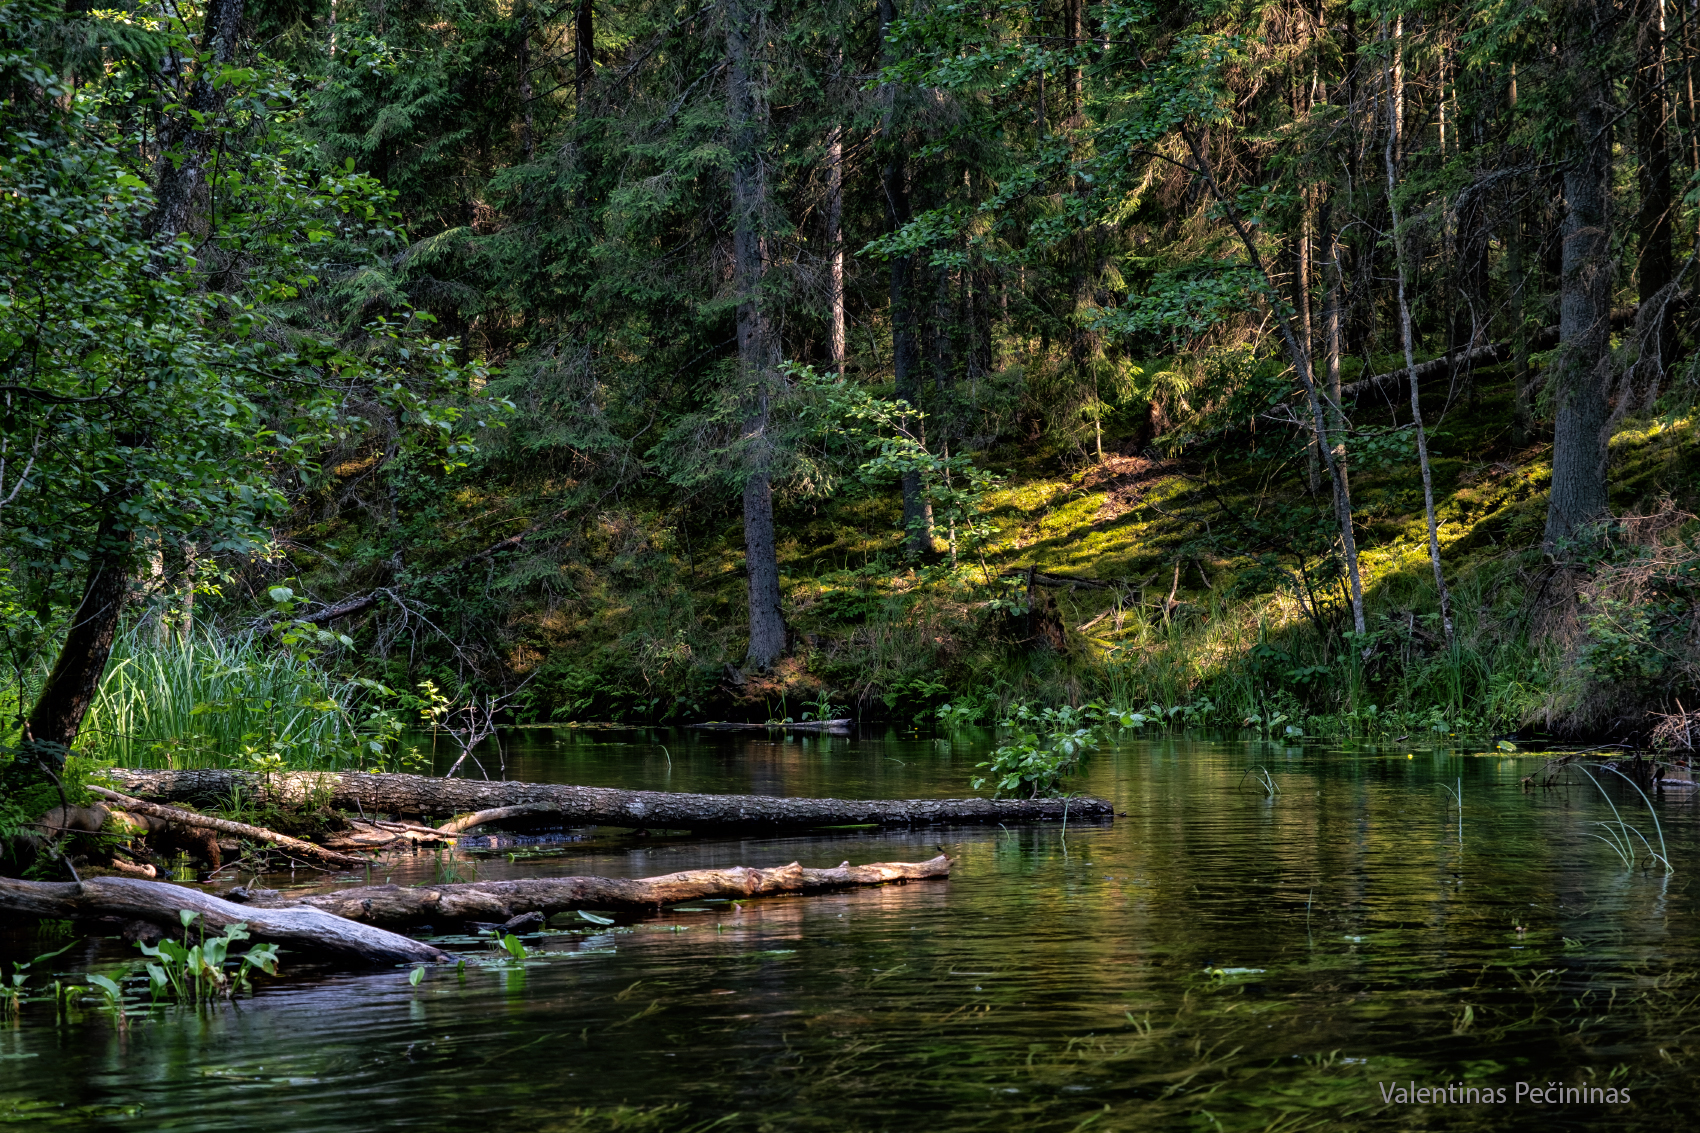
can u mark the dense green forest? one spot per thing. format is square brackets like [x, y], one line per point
[1317, 368]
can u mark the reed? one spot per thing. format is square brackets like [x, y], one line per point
[201, 700]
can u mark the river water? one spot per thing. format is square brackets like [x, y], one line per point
[1219, 958]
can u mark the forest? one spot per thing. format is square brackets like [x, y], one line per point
[916, 564]
[1325, 369]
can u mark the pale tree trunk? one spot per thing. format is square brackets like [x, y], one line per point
[835, 343]
[186, 137]
[1407, 333]
[1580, 378]
[1301, 292]
[905, 344]
[1333, 436]
[757, 354]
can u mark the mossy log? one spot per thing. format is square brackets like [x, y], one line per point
[418, 795]
[171, 815]
[296, 926]
[496, 901]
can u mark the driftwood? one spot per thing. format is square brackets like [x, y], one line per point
[594, 806]
[345, 925]
[224, 825]
[156, 902]
[788, 726]
[498, 901]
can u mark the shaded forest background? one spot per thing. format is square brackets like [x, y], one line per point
[1314, 368]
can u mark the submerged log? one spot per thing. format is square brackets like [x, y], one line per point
[500, 901]
[593, 806]
[156, 902]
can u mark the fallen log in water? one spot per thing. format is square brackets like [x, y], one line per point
[345, 925]
[156, 902]
[417, 795]
[496, 901]
[841, 725]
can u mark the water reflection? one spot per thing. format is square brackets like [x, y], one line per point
[1216, 958]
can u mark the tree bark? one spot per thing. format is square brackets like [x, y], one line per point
[1655, 263]
[419, 795]
[156, 902]
[1332, 342]
[65, 697]
[495, 901]
[526, 124]
[757, 353]
[1072, 23]
[186, 136]
[584, 51]
[1581, 375]
[836, 344]
[905, 337]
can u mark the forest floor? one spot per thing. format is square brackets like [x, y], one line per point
[1218, 594]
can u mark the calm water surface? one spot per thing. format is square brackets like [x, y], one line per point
[1216, 959]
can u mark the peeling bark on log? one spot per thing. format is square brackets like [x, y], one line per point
[595, 806]
[345, 925]
[156, 902]
[240, 829]
[497, 901]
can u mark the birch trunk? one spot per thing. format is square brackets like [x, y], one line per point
[1407, 334]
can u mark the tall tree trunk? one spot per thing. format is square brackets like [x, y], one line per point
[584, 50]
[1332, 341]
[1408, 334]
[1580, 378]
[905, 338]
[186, 136]
[526, 139]
[1072, 24]
[70, 688]
[757, 354]
[1301, 293]
[1654, 266]
[835, 341]
[1517, 270]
